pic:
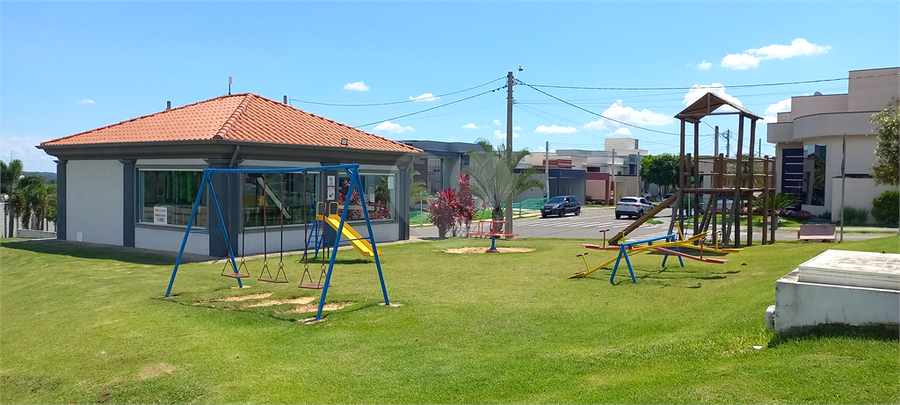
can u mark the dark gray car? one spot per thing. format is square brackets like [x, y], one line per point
[561, 205]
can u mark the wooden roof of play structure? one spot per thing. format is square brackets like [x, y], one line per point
[707, 105]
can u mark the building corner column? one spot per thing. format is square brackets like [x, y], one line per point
[61, 199]
[129, 202]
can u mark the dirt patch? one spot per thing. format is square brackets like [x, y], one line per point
[269, 303]
[154, 370]
[315, 307]
[473, 250]
[237, 299]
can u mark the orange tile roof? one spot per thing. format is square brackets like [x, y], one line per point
[240, 117]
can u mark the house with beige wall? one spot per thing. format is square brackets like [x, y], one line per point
[809, 143]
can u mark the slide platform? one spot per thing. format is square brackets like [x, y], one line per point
[356, 240]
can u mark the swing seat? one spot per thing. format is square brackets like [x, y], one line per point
[235, 275]
[272, 280]
[313, 286]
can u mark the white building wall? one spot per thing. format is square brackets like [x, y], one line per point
[169, 238]
[94, 201]
[858, 193]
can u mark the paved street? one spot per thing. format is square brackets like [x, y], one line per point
[588, 225]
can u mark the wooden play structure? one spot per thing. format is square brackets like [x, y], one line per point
[710, 185]
[713, 185]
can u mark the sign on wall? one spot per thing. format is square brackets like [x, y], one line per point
[160, 215]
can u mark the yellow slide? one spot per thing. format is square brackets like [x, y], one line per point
[362, 246]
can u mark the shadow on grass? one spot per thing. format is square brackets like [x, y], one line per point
[885, 333]
[95, 251]
[663, 276]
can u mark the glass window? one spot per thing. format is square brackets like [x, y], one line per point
[270, 198]
[167, 197]
[814, 175]
[379, 191]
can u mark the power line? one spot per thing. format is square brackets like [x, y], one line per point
[393, 102]
[736, 86]
[432, 108]
[595, 113]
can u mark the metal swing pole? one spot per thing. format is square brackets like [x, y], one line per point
[372, 240]
[206, 182]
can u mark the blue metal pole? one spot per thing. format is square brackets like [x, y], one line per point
[187, 232]
[371, 239]
[616, 267]
[337, 243]
[212, 191]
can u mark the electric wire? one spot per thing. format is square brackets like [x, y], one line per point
[430, 109]
[394, 102]
[737, 86]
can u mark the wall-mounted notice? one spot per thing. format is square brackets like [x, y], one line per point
[160, 215]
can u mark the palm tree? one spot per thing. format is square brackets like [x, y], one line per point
[9, 184]
[495, 178]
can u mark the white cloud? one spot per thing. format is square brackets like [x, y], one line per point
[773, 110]
[553, 129]
[470, 126]
[698, 91]
[517, 128]
[704, 65]
[798, 47]
[497, 122]
[629, 115]
[356, 86]
[425, 97]
[502, 135]
[388, 126]
[739, 61]
[751, 57]
[86, 101]
[622, 132]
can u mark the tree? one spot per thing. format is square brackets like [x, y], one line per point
[887, 150]
[32, 200]
[9, 184]
[417, 190]
[661, 170]
[495, 177]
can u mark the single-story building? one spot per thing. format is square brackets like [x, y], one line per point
[134, 183]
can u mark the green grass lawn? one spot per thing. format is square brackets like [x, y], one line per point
[81, 324]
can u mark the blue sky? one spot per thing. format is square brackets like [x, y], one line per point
[68, 67]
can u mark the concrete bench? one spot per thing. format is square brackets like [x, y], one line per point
[819, 232]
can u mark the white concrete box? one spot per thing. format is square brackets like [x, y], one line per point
[840, 287]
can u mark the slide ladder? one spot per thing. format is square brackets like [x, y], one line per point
[640, 221]
[349, 234]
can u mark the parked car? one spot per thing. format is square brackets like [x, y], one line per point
[634, 207]
[561, 205]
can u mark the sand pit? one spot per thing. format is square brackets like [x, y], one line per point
[477, 250]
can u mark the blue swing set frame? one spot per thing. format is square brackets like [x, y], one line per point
[352, 171]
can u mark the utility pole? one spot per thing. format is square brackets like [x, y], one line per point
[727, 143]
[717, 142]
[509, 146]
[547, 168]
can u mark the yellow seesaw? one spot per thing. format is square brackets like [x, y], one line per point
[627, 249]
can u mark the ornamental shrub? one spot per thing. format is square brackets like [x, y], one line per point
[443, 211]
[886, 207]
[465, 209]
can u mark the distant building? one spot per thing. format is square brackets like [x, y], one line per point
[610, 174]
[808, 143]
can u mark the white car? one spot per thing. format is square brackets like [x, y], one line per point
[634, 207]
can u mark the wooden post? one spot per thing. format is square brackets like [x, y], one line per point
[738, 182]
[750, 186]
[696, 173]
